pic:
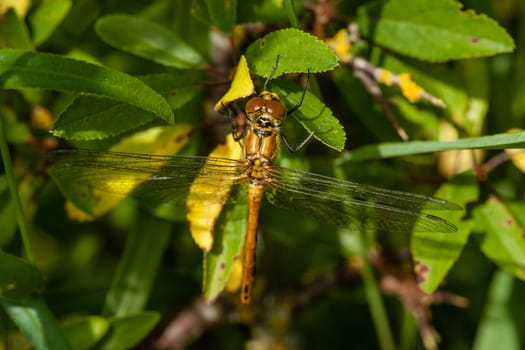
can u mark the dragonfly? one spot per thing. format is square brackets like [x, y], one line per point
[157, 179]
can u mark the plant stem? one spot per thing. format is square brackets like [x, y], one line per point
[408, 331]
[372, 293]
[373, 296]
[19, 211]
[290, 11]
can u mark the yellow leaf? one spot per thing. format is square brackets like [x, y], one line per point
[167, 140]
[454, 162]
[21, 7]
[207, 197]
[242, 86]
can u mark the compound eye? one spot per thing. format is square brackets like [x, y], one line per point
[254, 104]
[275, 109]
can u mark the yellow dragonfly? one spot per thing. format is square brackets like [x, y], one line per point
[160, 179]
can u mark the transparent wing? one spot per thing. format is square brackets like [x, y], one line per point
[343, 202]
[153, 179]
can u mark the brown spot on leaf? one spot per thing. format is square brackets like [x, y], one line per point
[421, 270]
[474, 40]
[222, 266]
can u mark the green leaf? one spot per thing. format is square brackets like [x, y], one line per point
[398, 149]
[298, 52]
[435, 253]
[148, 40]
[128, 331]
[497, 329]
[18, 278]
[313, 114]
[85, 332]
[7, 214]
[227, 248]
[21, 69]
[503, 242]
[92, 118]
[35, 320]
[264, 11]
[14, 32]
[220, 14]
[431, 30]
[46, 17]
[140, 262]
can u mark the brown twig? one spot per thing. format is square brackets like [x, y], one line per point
[189, 324]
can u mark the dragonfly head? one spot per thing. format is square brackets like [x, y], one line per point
[266, 102]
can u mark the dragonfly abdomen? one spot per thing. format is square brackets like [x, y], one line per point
[255, 194]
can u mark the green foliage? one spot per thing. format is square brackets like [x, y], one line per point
[397, 149]
[434, 254]
[127, 331]
[148, 40]
[298, 52]
[313, 115]
[504, 240]
[142, 77]
[412, 27]
[46, 18]
[33, 317]
[21, 69]
[19, 278]
[86, 117]
[227, 249]
[85, 332]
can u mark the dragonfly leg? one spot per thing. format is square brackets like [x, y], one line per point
[274, 68]
[301, 145]
[296, 107]
[235, 128]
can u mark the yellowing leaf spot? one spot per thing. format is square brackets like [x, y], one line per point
[242, 86]
[75, 214]
[234, 281]
[207, 197]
